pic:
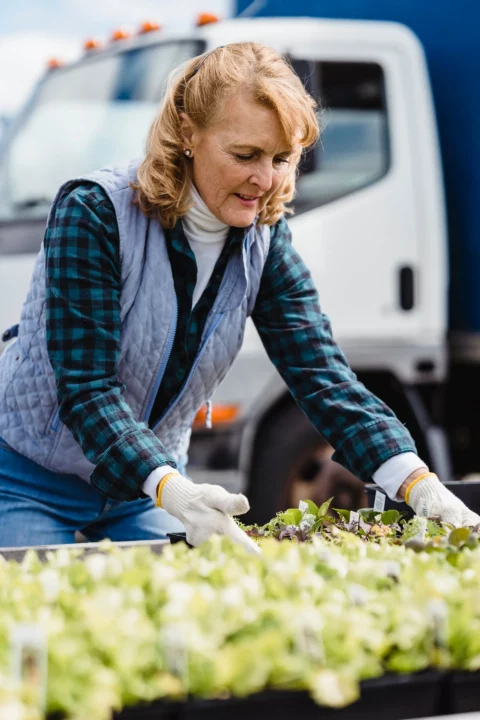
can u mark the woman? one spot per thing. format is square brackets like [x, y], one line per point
[137, 309]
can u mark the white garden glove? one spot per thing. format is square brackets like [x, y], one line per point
[204, 509]
[428, 497]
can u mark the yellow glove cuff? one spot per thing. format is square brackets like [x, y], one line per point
[161, 485]
[413, 483]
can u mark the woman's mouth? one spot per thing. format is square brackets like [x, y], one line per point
[247, 200]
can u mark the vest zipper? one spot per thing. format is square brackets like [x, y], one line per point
[54, 425]
[209, 334]
[163, 366]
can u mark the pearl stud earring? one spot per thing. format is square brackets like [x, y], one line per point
[188, 152]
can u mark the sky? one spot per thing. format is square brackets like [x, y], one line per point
[33, 31]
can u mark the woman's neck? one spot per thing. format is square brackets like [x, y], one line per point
[200, 224]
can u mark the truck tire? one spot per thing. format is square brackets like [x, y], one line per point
[291, 461]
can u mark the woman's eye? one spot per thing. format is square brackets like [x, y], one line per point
[277, 161]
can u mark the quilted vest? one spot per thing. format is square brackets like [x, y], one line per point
[29, 420]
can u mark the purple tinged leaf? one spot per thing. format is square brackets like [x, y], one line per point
[352, 525]
[366, 527]
[289, 531]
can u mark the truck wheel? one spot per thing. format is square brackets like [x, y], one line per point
[292, 462]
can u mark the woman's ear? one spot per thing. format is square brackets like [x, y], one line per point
[188, 131]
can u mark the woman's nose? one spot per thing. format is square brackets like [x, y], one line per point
[262, 176]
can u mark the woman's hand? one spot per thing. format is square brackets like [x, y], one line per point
[204, 510]
[428, 497]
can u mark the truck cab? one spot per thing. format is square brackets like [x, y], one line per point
[369, 222]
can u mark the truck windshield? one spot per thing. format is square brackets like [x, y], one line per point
[92, 114]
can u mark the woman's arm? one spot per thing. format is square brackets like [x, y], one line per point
[298, 339]
[368, 439]
[83, 336]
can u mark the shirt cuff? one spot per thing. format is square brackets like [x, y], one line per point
[150, 485]
[392, 474]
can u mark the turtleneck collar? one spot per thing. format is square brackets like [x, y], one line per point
[200, 224]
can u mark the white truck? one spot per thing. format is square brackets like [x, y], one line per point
[369, 222]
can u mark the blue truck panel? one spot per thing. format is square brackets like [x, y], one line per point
[449, 32]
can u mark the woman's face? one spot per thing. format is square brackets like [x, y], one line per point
[239, 162]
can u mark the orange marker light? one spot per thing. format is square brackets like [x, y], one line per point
[92, 44]
[149, 26]
[221, 415]
[206, 19]
[54, 63]
[119, 34]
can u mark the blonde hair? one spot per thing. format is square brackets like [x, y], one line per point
[200, 88]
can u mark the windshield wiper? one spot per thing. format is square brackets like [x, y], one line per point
[32, 202]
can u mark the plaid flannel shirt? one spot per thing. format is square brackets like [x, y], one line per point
[83, 337]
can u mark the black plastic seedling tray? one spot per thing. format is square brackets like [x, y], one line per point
[392, 697]
[387, 698]
[464, 692]
[153, 711]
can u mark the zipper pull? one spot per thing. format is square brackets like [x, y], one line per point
[208, 416]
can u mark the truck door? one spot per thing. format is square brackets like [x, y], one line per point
[356, 213]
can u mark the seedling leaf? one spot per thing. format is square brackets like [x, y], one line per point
[323, 509]
[390, 517]
[459, 536]
[345, 514]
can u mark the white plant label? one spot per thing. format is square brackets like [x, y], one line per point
[379, 503]
[28, 659]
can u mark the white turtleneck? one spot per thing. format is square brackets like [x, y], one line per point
[206, 236]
